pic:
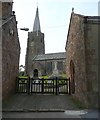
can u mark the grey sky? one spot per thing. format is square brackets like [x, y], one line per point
[54, 20]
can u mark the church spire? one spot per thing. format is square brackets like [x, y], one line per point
[36, 26]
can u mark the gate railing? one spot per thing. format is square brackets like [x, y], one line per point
[42, 85]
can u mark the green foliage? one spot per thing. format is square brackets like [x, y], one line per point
[22, 76]
[23, 80]
[44, 77]
[62, 81]
[21, 73]
[64, 75]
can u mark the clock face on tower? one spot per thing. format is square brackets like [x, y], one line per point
[32, 43]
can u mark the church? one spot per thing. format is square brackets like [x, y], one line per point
[37, 63]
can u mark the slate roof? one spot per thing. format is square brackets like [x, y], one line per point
[93, 18]
[50, 56]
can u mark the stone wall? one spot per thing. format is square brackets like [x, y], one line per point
[35, 46]
[10, 52]
[76, 52]
[6, 9]
[0, 57]
[81, 48]
[46, 67]
[91, 48]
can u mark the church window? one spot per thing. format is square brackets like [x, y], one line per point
[48, 67]
[60, 65]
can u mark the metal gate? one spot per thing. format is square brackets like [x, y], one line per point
[43, 86]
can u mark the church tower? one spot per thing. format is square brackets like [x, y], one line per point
[35, 43]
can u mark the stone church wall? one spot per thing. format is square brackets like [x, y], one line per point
[35, 46]
[46, 67]
[40, 66]
[10, 52]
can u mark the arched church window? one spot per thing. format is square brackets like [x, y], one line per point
[35, 74]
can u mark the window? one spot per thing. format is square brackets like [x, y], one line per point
[60, 65]
[48, 67]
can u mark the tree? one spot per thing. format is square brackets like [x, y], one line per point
[21, 70]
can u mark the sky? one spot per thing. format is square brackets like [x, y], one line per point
[54, 18]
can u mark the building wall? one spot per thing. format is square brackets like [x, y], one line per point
[75, 51]
[0, 56]
[81, 48]
[40, 66]
[10, 53]
[91, 47]
[6, 9]
[46, 67]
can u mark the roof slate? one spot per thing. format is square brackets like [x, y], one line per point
[50, 56]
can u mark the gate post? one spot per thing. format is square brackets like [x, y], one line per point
[56, 87]
[28, 86]
[42, 85]
[69, 86]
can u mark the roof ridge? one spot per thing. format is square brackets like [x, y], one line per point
[60, 55]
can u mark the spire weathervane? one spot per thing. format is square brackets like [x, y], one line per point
[72, 9]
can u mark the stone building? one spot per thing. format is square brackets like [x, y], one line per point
[82, 58]
[10, 49]
[37, 62]
[49, 64]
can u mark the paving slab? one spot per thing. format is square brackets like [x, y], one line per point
[38, 115]
[45, 106]
[78, 114]
[24, 102]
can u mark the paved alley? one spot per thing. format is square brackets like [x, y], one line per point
[24, 102]
[44, 106]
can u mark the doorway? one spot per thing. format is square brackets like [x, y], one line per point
[35, 74]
